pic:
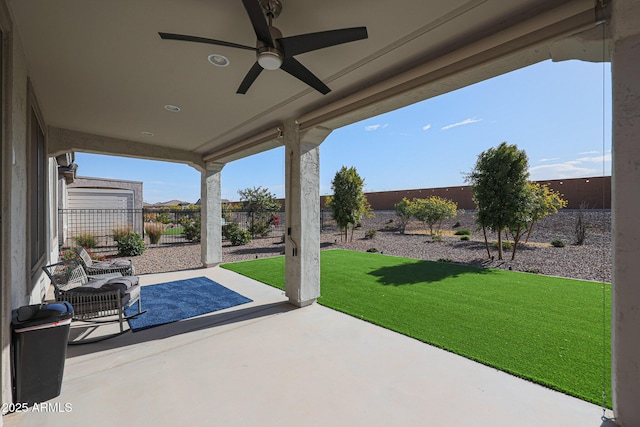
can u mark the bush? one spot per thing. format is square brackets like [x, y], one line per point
[436, 237]
[372, 250]
[131, 245]
[507, 245]
[457, 224]
[444, 260]
[71, 254]
[370, 234]
[154, 230]
[463, 232]
[259, 227]
[86, 240]
[191, 229]
[465, 238]
[557, 243]
[120, 232]
[235, 234]
[163, 218]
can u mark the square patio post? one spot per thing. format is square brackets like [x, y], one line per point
[302, 234]
[211, 214]
[625, 69]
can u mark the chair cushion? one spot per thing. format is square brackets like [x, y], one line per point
[122, 284]
[111, 264]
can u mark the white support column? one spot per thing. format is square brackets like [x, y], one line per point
[625, 210]
[302, 237]
[211, 214]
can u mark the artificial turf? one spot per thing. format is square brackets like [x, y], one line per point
[545, 329]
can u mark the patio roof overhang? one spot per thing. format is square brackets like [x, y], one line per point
[100, 70]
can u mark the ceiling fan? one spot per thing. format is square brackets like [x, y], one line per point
[274, 51]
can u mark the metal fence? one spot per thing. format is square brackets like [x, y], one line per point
[97, 227]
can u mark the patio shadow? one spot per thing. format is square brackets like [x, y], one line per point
[161, 332]
[423, 272]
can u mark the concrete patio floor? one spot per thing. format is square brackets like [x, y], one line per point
[268, 363]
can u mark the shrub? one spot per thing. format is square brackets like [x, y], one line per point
[85, 239]
[457, 224]
[581, 227]
[131, 245]
[436, 237]
[235, 234]
[120, 232]
[444, 260]
[372, 250]
[507, 245]
[557, 243]
[259, 227]
[463, 232]
[370, 234]
[465, 238]
[191, 229]
[163, 218]
[154, 230]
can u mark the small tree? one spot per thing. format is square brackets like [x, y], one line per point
[433, 210]
[546, 202]
[404, 210]
[348, 203]
[498, 181]
[260, 205]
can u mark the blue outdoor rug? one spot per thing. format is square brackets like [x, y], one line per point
[172, 301]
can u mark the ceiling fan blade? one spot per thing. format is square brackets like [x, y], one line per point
[182, 37]
[258, 21]
[296, 45]
[248, 80]
[299, 71]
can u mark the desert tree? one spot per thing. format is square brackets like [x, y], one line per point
[260, 204]
[499, 185]
[545, 202]
[404, 211]
[433, 210]
[348, 203]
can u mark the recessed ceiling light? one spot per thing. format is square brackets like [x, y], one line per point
[172, 108]
[218, 60]
[145, 133]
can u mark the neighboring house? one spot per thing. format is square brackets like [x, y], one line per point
[82, 204]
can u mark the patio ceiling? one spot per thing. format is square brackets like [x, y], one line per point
[100, 68]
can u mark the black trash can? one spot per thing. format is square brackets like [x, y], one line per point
[39, 347]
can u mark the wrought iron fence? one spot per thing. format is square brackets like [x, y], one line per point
[97, 227]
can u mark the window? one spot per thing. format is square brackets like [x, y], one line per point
[36, 172]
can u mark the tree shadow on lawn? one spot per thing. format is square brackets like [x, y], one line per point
[423, 272]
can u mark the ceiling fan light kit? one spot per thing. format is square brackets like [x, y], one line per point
[274, 51]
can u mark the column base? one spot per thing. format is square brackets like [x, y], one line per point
[301, 304]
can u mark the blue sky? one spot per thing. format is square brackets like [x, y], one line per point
[554, 111]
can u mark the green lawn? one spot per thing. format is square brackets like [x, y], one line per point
[546, 329]
[169, 231]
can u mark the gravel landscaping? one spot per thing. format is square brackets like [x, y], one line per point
[590, 261]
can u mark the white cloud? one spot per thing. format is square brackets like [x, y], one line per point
[595, 159]
[578, 168]
[371, 128]
[426, 127]
[548, 160]
[589, 152]
[559, 171]
[462, 123]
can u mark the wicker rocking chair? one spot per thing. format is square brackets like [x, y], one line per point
[92, 268]
[94, 298]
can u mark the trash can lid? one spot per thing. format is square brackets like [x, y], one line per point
[41, 315]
